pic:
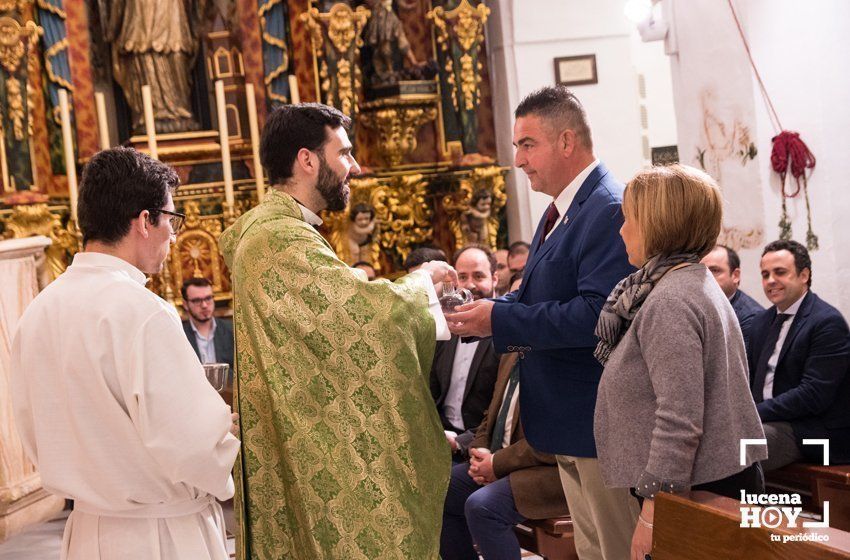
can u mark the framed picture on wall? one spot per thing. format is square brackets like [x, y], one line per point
[575, 70]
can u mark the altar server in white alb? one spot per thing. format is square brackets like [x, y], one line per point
[111, 402]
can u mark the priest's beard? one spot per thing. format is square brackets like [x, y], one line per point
[334, 190]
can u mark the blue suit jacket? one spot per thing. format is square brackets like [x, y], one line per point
[811, 385]
[552, 317]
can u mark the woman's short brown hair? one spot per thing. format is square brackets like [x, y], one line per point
[678, 209]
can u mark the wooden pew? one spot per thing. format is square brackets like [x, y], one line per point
[707, 527]
[830, 483]
[552, 539]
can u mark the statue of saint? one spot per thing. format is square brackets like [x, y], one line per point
[154, 43]
[475, 220]
[388, 44]
[361, 228]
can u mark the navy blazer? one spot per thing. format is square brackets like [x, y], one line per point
[746, 308]
[552, 317]
[222, 340]
[811, 385]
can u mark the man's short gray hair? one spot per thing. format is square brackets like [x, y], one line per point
[561, 110]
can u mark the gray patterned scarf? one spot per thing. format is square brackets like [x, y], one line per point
[628, 296]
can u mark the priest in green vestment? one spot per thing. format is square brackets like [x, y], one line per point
[343, 453]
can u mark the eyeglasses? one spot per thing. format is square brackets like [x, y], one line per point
[200, 300]
[175, 219]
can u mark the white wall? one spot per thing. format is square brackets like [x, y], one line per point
[800, 50]
[525, 36]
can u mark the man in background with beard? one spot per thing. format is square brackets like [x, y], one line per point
[343, 455]
[464, 373]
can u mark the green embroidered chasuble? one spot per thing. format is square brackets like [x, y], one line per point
[343, 453]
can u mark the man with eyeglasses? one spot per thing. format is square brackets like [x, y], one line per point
[211, 338]
[109, 399]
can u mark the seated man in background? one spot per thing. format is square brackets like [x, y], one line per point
[420, 256]
[367, 268]
[799, 355]
[463, 374]
[505, 483]
[517, 256]
[725, 264]
[211, 338]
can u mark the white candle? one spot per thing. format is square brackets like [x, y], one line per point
[102, 124]
[150, 123]
[255, 141]
[224, 139]
[4, 167]
[68, 146]
[294, 98]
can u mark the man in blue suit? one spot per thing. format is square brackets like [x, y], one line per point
[577, 257]
[799, 357]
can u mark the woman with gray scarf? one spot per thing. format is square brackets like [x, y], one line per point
[674, 399]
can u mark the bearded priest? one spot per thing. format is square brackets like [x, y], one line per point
[344, 455]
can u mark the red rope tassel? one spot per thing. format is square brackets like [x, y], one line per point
[789, 151]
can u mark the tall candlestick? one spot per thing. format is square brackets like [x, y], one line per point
[150, 123]
[294, 98]
[68, 147]
[224, 139]
[255, 141]
[102, 124]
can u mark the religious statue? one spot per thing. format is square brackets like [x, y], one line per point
[387, 43]
[361, 230]
[474, 223]
[154, 43]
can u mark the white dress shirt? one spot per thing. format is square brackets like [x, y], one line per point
[774, 358]
[206, 344]
[563, 200]
[453, 404]
[509, 421]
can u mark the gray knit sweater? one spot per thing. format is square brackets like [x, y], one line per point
[674, 400]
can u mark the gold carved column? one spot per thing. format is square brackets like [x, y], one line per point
[336, 40]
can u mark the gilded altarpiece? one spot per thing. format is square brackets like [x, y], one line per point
[423, 129]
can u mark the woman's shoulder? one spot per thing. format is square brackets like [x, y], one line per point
[690, 287]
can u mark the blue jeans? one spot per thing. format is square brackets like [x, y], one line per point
[483, 514]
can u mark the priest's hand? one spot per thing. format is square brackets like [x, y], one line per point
[481, 466]
[472, 319]
[440, 272]
[234, 424]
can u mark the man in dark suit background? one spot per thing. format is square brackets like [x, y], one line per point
[799, 357]
[725, 264]
[211, 338]
[577, 257]
[505, 482]
[463, 374]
